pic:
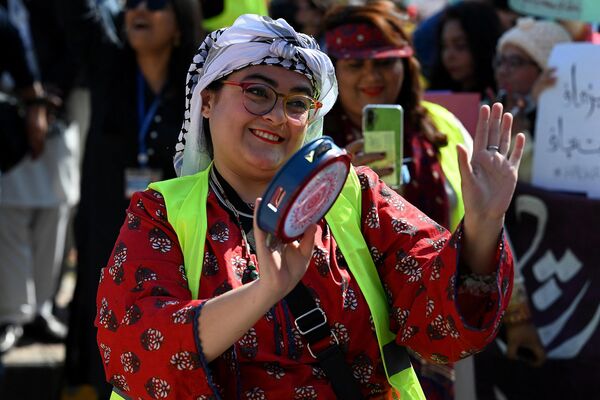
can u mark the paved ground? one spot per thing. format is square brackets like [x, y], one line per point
[34, 370]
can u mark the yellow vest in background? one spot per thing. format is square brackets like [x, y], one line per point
[444, 121]
[233, 9]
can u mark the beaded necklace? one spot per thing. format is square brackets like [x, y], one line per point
[248, 243]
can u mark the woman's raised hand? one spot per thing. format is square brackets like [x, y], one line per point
[282, 267]
[489, 175]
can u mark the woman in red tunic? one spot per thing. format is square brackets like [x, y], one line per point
[238, 339]
[375, 64]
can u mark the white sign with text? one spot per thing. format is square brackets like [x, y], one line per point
[567, 133]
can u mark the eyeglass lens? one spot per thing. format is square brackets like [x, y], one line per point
[151, 5]
[260, 99]
[511, 61]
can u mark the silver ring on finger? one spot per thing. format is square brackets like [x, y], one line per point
[493, 148]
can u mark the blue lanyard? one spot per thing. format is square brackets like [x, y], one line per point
[144, 119]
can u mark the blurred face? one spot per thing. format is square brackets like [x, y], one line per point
[308, 16]
[151, 30]
[456, 54]
[515, 71]
[368, 81]
[248, 145]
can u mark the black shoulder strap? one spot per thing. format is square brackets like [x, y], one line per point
[311, 322]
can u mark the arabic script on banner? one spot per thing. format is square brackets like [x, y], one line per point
[567, 134]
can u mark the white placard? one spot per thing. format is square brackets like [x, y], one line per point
[567, 134]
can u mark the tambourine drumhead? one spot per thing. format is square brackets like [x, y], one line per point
[304, 189]
[315, 198]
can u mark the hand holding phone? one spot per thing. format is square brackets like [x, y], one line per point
[382, 133]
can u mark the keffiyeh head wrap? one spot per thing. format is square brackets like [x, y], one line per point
[251, 40]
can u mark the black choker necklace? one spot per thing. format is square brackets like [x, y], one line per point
[228, 196]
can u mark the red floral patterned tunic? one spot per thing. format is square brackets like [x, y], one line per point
[148, 323]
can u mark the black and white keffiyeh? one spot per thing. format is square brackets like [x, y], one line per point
[251, 40]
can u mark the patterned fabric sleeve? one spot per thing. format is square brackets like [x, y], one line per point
[147, 329]
[439, 308]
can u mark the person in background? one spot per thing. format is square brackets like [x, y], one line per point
[28, 90]
[522, 73]
[467, 36]
[136, 83]
[375, 65]
[426, 35]
[36, 196]
[303, 15]
[194, 304]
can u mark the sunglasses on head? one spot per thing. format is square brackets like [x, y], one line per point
[151, 5]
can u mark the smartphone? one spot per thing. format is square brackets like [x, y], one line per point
[382, 131]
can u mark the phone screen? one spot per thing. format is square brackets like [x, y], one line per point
[382, 132]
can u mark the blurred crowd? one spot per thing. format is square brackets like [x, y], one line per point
[92, 98]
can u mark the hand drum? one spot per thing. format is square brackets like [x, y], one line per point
[304, 189]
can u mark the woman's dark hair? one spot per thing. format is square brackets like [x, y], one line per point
[482, 27]
[189, 22]
[389, 19]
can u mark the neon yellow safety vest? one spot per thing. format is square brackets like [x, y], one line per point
[444, 122]
[185, 199]
[233, 9]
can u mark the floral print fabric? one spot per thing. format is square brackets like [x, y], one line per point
[148, 323]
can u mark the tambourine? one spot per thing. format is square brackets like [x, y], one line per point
[303, 190]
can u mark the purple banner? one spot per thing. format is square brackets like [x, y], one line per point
[556, 240]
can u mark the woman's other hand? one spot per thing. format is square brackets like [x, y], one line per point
[359, 157]
[282, 266]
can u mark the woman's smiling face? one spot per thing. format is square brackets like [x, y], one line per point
[249, 145]
[368, 81]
